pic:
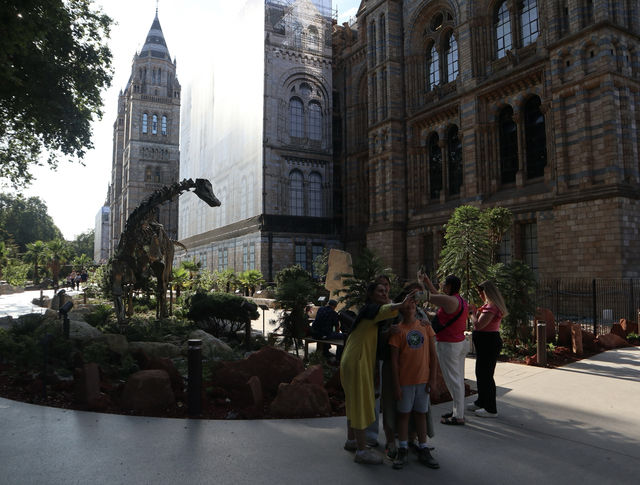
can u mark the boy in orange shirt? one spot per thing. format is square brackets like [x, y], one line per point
[413, 356]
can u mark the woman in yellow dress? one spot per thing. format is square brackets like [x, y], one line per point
[357, 367]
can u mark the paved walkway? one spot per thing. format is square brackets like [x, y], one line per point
[579, 424]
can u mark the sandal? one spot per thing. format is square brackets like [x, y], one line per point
[447, 415]
[452, 420]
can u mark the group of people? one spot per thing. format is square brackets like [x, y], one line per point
[410, 346]
[75, 278]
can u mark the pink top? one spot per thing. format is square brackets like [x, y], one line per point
[454, 332]
[494, 325]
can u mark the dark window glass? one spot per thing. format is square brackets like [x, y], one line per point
[451, 54]
[502, 23]
[508, 146]
[455, 161]
[529, 22]
[296, 115]
[435, 167]
[536, 138]
[301, 255]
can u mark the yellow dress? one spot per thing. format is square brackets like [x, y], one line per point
[356, 369]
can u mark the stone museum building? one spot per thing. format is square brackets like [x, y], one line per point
[256, 121]
[524, 104]
[146, 133]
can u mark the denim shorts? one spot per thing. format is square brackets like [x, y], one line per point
[414, 398]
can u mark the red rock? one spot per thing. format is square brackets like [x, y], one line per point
[255, 386]
[616, 329]
[628, 327]
[589, 341]
[531, 360]
[86, 381]
[301, 400]
[148, 390]
[564, 333]
[576, 339]
[166, 364]
[545, 315]
[312, 375]
[611, 341]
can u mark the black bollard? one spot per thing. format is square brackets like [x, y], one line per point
[194, 389]
[541, 344]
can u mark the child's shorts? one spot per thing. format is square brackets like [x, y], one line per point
[414, 398]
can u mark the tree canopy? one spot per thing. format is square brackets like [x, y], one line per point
[25, 220]
[54, 64]
[83, 244]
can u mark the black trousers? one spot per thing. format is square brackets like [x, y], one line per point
[488, 346]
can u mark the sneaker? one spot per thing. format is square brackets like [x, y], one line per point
[350, 445]
[413, 446]
[424, 457]
[368, 457]
[372, 443]
[391, 451]
[473, 407]
[402, 459]
[483, 413]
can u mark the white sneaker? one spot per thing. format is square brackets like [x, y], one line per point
[483, 413]
[368, 457]
[472, 407]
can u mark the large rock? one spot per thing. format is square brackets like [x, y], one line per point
[86, 381]
[148, 390]
[300, 400]
[589, 342]
[312, 375]
[211, 346]
[272, 366]
[156, 349]
[611, 341]
[564, 334]
[576, 339]
[78, 330]
[116, 342]
[628, 327]
[161, 363]
[617, 329]
[544, 315]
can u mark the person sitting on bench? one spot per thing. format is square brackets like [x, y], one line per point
[326, 327]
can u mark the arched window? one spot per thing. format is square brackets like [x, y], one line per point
[433, 66]
[313, 38]
[315, 121]
[154, 125]
[296, 193]
[508, 132]
[145, 119]
[536, 138]
[163, 126]
[451, 54]
[296, 118]
[147, 174]
[315, 195]
[502, 25]
[455, 161]
[529, 22]
[435, 167]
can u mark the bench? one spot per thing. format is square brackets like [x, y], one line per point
[319, 342]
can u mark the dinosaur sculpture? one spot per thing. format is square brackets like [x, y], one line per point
[145, 249]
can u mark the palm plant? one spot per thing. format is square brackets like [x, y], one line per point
[250, 279]
[58, 252]
[81, 262]
[497, 220]
[179, 279]
[366, 267]
[37, 255]
[294, 288]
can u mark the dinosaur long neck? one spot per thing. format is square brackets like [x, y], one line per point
[157, 198]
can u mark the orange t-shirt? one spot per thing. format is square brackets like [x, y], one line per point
[413, 359]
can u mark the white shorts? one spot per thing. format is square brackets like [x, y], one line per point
[414, 398]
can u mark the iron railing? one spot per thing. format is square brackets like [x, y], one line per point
[596, 304]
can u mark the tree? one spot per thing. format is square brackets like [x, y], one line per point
[81, 262]
[497, 220]
[37, 255]
[366, 267]
[26, 220]
[4, 256]
[54, 64]
[466, 252]
[58, 253]
[250, 279]
[83, 244]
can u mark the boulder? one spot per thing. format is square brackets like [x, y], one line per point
[611, 341]
[116, 342]
[161, 363]
[156, 349]
[255, 386]
[564, 333]
[148, 390]
[82, 331]
[576, 339]
[211, 346]
[545, 315]
[628, 327]
[616, 329]
[312, 375]
[6, 322]
[58, 300]
[86, 380]
[589, 342]
[301, 400]
[272, 366]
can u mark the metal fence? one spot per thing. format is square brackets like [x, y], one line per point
[595, 304]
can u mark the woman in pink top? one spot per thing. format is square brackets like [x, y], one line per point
[486, 339]
[451, 345]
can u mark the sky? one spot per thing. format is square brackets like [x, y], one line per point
[75, 193]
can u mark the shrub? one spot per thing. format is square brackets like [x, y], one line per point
[100, 317]
[220, 313]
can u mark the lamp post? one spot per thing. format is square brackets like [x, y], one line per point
[264, 309]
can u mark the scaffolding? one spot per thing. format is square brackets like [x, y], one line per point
[303, 22]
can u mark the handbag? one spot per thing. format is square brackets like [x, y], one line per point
[439, 326]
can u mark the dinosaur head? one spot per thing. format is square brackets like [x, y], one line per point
[205, 192]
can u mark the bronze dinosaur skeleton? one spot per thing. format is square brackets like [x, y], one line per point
[145, 249]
